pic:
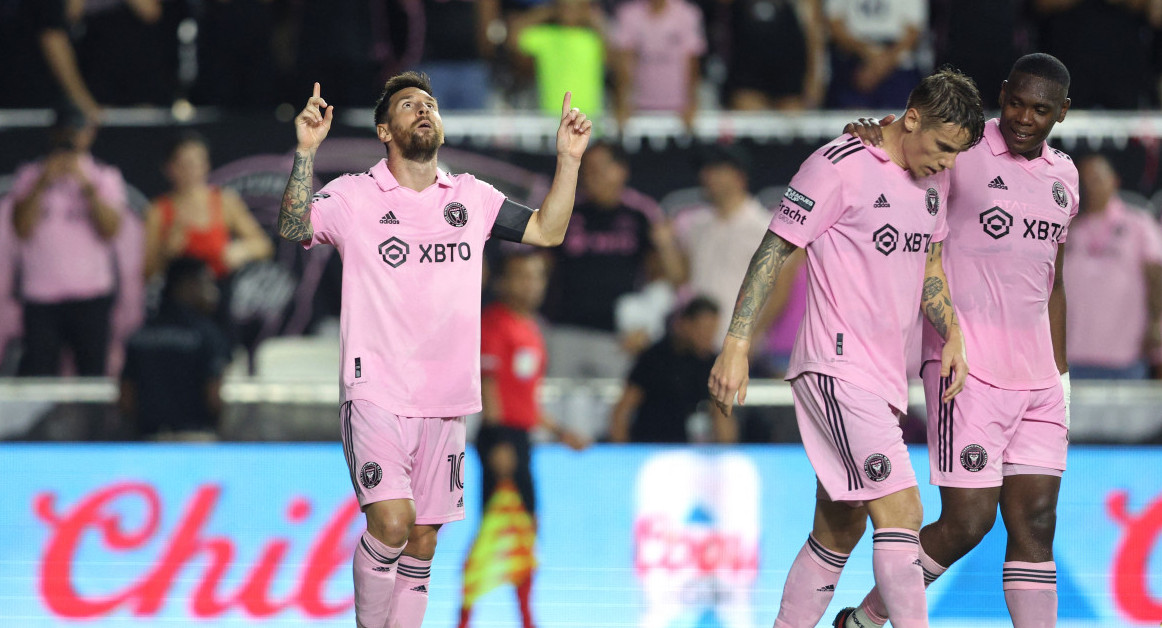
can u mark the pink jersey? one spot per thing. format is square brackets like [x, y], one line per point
[866, 225]
[1007, 215]
[87, 270]
[410, 321]
[1105, 280]
[663, 43]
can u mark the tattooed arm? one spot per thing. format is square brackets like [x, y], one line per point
[294, 216]
[311, 127]
[936, 304]
[731, 370]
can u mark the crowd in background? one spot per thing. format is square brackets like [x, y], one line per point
[620, 56]
[634, 292]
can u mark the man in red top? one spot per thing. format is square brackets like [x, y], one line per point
[512, 363]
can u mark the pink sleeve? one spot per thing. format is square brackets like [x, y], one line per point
[812, 203]
[1151, 240]
[25, 178]
[940, 232]
[491, 198]
[695, 35]
[1074, 195]
[623, 35]
[330, 215]
[110, 186]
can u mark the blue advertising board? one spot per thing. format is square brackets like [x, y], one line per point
[657, 537]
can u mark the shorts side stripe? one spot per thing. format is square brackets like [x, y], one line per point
[950, 445]
[835, 416]
[832, 427]
[941, 419]
[349, 447]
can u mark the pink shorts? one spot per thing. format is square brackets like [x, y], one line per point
[986, 433]
[395, 457]
[852, 438]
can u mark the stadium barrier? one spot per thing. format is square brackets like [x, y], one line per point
[219, 535]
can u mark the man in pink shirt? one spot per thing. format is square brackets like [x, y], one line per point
[1004, 439]
[67, 211]
[1114, 272]
[872, 222]
[411, 237]
[657, 46]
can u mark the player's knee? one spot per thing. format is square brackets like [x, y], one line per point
[971, 529]
[422, 542]
[390, 527]
[1041, 520]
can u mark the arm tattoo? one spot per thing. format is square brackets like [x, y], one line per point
[294, 217]
[932, 287]
[935, 300]
[760, 277]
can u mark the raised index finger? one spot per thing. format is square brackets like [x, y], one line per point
[316, 93]
[566, 106]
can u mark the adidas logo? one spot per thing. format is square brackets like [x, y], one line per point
[826, 588]
[381, 569]
[389, 219]
[881, 202]
[998, 184]
[918, 563]
[460, 504]
[420, 589]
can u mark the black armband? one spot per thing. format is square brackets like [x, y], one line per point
[511, 221]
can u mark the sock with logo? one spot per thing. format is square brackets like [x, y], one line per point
[810, 585]
[374, 569]
[873, 614]
[1031, 593]
[410, 599]
[899, 576]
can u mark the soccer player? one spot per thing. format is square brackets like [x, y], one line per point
[872, 222]
[1003, 440]
[411, 237]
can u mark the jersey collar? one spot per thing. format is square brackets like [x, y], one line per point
[996, 142]
[387, 182]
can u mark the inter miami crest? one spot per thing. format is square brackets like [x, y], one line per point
[370, 475]
[456, 214]
[932, 201]
[1059, 195]
[877, 467]
[973, 458]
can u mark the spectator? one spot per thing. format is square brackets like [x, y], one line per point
[512, 358]
[41, 58]
[980, 38]
[236, 53]
[611, 236]
[775, 55]
[67, 202]
[171, 384]
[457, 50]
[1106, 44]
[196, 219]
[719, 238]
[664, 397]
[657, 46]
[110, 51]
[1113, 280]
[874, 62]
[564, 41]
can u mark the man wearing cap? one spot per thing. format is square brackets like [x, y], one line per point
[66, 211]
